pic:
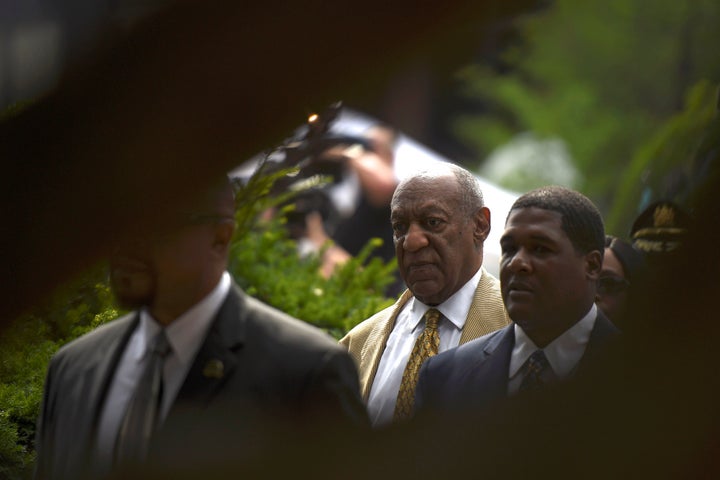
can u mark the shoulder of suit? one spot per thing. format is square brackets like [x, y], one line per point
[490, 287]
[95, 340]
[356, 339]
[458, 359]
[604, 329]
[364, 334]
[360, 332]
[279, 327]
[363, 329]
[489, 278]
[479, 344]
[465, 354]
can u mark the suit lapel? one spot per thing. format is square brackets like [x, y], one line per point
[487, 312]
[100, 371]
[216, 360]
[489, 376]
[602, 334]
[375, 345]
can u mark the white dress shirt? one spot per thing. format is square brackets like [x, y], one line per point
[185, 335]
[563, 353]
[408, 327]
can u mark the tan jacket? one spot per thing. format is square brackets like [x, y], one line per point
[366, 342]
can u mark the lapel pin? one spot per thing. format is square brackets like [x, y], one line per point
[214, 368]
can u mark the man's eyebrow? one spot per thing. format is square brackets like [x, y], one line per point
[541, 237]
[433, 208]
[537, 237]
[424, 211]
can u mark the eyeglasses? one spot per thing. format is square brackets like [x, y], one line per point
[182, 219]
[611, 285]
[173, 223]
[137, 236]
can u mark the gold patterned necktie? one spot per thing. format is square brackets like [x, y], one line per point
[425, 347]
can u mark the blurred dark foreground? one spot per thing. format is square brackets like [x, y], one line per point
[196, 89]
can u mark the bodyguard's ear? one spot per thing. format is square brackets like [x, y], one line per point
[593, 264]
[482, 225]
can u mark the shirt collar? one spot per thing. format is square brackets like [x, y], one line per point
[563, 353]
[187, 332]
[455, 308]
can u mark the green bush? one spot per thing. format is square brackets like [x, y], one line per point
[266, 265]
[25, 350]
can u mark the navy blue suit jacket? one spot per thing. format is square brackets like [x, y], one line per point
[475, 375]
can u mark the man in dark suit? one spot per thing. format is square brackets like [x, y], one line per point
[552, 253]
[223, 370]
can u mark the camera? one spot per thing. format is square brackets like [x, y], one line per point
[309, 151]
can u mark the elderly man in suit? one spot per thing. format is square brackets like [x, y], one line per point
[439, 224]
[552, 251]
[198, 364]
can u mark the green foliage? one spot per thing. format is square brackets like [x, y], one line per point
[603, 75]
[267, 266]
[264, 261]
[14, 462]
[25, 351]
[671, 148]
[12, 110]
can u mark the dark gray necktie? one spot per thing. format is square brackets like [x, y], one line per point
[143, 411]
[533, 371]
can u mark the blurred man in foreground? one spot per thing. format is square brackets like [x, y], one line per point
[197, 365]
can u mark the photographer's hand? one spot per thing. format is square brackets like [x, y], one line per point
[334, 255]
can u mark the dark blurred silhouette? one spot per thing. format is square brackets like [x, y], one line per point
[196, 356]
[183, 95]
[170, 105]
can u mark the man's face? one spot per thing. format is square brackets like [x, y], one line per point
[438, 247]
[546, 284]
[165, 268]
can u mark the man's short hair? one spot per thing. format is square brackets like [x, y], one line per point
[581, 219]
[471, 199]
[472, 196]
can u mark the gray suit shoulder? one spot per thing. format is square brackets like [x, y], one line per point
[96, 340]
[285, 329]
[300, 358]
